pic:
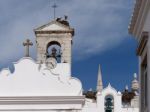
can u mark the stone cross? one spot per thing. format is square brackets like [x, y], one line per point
[27, 44]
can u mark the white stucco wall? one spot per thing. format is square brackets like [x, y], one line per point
[32, 79]
[32, 87]
[109, 90]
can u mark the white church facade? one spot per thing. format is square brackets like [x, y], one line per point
[46, 85]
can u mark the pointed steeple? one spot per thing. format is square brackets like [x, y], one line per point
[99, 80]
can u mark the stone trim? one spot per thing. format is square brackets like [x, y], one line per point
[50, 23]
[41, 103]
[42, 100]
[34, 110]
[57, 32]
[142, 43]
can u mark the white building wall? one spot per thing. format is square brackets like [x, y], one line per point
[148, 75]
[100, 102]
[130, 109]
[90, 106]
[146, 28]
[147, 23]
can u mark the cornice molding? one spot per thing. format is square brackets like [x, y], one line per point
[138, 18]
[42, 100]
[55, 31]
[134, 15]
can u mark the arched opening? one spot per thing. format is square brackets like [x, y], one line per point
[109, 103]
[54, 50]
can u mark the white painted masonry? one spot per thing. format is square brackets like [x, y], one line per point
[33, 87]
[140, 29]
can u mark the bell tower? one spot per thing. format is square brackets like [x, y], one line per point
[55, 40]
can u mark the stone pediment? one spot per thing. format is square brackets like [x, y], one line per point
[54, 26]
[33, 79]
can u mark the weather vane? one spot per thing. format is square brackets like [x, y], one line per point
[54, 7]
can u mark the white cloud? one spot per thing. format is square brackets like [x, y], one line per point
[100, 24]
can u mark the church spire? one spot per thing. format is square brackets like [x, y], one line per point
[99, 80]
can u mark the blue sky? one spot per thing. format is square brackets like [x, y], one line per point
[101, 36]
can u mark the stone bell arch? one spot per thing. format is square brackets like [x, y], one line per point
[56, 32]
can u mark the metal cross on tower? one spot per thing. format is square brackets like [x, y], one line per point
[54, 7]
[27, 44]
